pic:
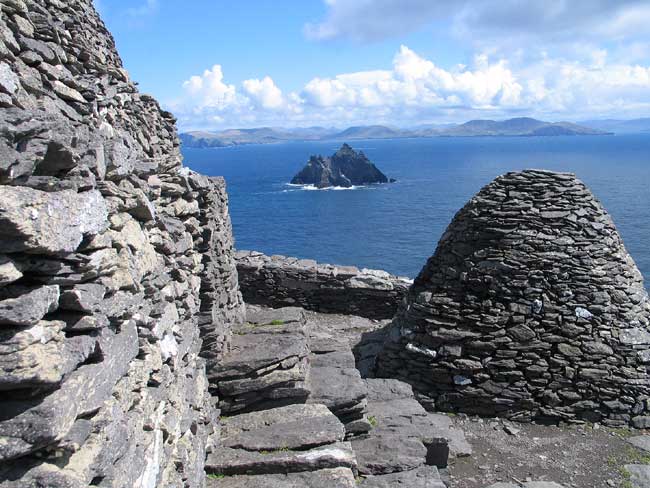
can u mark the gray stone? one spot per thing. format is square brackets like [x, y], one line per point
[639, 475]
[9, 271]
[388, 453]
[259, 347]
[49, 223]
[30, 306]
[325, 478]
[265, 316]
[541, 484]
[38, 356]
[85, 297]
[641, 422]
[640, 441]
[290, 427]
[422, 477]
[634, 336]
[32, 424]
[67, 93]
[9, 81]
[335, 385]
[224, 460]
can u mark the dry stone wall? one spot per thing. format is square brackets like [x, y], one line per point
[114, 261]
[279, 281]
[530, 308]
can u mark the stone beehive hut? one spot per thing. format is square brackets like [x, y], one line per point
[530, 308]
[114, 260]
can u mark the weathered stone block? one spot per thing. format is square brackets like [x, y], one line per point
[49, 223]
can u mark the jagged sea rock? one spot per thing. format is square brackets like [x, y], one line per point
[344, 168]
[530, 307]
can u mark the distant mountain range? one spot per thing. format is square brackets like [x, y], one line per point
[634, 126]
[521, 126]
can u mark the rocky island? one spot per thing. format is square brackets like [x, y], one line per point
[344, 168]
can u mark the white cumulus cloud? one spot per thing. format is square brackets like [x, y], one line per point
[264, 92]
[373, 20]
[416, 90]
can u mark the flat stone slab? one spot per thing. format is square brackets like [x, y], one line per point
[639, 475]
[292, 371]
[542, 484]
[257, 347]
[341, 358]
[640, 441]
[227, 461]
[388, 452]
[529, 484]
[338, 388]
[458, 444]
[29, 306]
[290, 427]
[382, 390]
[394, 408]
[324, 478]
[423, 477]
[323, 344]
[267, 365]
[264, 316]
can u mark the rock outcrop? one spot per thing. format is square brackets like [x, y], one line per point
[280, 281]
[344, 168]
[530, 308]
[114, 260]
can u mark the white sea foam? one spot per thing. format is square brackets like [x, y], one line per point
[327, 188]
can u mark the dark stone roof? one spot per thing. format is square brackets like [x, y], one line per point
[530, 307]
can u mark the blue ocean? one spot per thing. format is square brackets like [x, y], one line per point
[396, 227]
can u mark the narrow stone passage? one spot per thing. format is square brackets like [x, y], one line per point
[296, 411]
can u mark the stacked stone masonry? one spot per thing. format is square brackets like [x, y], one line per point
[114, 260]
[530, 308]
[279, 281]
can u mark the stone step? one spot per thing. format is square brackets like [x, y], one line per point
[267, 364]
[405, 443]
[403, 438]
[392, 404]
[334, 379]
[290, 427]
[336, 383]
[228, 461]
[422, 477]
[535, 484]
[324, 478]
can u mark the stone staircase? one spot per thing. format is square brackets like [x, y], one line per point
[296, 412]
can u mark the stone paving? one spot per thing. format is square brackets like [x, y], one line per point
[343, 431]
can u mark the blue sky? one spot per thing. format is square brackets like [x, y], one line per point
[219, 64]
